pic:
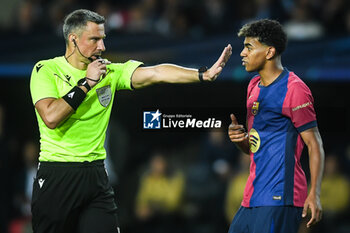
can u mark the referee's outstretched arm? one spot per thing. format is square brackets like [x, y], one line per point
[169, 73]
[54, 111]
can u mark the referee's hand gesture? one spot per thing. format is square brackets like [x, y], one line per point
[216, 69]
[95, 70]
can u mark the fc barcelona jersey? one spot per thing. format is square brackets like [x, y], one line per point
[276, 115]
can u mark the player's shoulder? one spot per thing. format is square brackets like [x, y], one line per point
[296, 83]
[254, 81]
[295, 80]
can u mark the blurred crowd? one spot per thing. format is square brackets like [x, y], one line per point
[303, 19]
[196, 186]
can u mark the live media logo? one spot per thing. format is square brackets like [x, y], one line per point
[152, 119]
[159, 120]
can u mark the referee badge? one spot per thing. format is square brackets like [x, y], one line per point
[255, 108]
[104, 95]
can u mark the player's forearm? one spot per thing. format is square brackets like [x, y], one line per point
[243, 146]
[316, 163]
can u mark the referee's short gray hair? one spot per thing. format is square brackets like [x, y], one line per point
[77, 20]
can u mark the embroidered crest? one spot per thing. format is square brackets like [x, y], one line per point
[104, 95]
[255, 108]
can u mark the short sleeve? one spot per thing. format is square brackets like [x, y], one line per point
[299, 106]
[42, 83]
[124, 72]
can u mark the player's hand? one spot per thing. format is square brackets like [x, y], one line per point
[214, 71]
[95, 70]
[236, 132]
[313, 203]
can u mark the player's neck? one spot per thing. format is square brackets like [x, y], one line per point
[270, 73]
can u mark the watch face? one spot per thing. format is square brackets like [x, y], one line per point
[83, 82]
[203, 69]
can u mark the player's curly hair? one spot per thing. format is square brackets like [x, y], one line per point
[268, 32]
[77, 20]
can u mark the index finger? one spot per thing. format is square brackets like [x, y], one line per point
[236, 127]
[104, 61]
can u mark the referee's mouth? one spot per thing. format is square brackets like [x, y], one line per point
[95, 57]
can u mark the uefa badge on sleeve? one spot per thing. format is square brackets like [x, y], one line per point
[152, 119]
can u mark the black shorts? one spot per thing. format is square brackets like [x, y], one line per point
[73, 198]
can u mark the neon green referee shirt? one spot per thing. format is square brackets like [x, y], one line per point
[81, 137]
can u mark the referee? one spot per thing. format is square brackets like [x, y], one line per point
[73, 97]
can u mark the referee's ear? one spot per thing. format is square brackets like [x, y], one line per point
[72, 39]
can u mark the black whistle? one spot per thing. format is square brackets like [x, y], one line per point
[97, 57]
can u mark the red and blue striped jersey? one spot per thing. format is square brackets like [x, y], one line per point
[276, 115]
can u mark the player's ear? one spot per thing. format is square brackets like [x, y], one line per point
[271, 52]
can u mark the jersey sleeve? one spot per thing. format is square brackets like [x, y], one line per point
[124, 72]
[42, 82]
[299, 106]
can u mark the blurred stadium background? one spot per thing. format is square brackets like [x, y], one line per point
[195, 178]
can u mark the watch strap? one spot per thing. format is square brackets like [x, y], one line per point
[200, 73]
[83, 82]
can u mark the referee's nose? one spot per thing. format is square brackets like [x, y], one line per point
[101, 45]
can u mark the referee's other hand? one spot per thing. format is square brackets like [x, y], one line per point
[96, 70]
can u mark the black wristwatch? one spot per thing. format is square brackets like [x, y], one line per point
[201, 71]
[83, 82]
